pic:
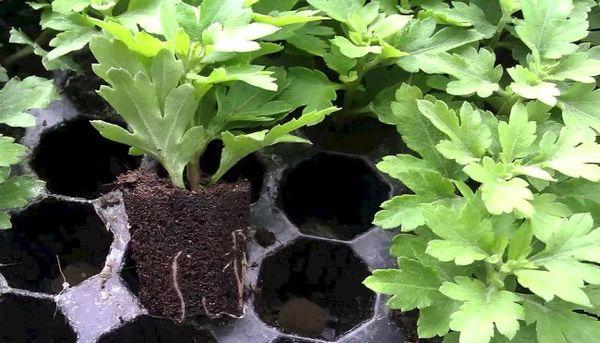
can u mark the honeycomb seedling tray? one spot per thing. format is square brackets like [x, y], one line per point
[313, 243]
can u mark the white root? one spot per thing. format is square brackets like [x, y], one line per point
[237, 271]
[174, 270]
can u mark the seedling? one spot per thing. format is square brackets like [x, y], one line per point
[187, 80]
[499, 240]
[17, 98]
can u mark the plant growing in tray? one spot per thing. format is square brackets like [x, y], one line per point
[495, 100]
[181, 80]
[499, 222]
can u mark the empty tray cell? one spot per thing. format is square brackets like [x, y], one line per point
[314, 288]
[146, 329]
[333, 196]
[24, 319]
[51, 228]
[354, 134]
[75, 160]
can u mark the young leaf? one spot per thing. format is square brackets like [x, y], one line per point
[421, 39]
[413, 285]
[528, 85]
[348, 49]
[227, 12]
[251, 74]
[10, 153]
[549, 28]
[556, 322]
[580, 105]
[483, 310]
[340, 10]
[570, 244]
[240, 146]
[428, 184]
[69, 6]
[16, 192]
[460, 14]
[17, 98]
[162, 132]
[574, 153]
[469, 139]
[310, 38]
[417, 131]
[472, 71]
[465, 238]
[61, 63]
[311, 88]
[577, 67]
[501, 195]
[516, 136]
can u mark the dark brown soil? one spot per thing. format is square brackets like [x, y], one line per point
[189, 248]
[408, 322]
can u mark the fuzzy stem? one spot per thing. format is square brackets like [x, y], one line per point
[21, 53]
[26, 51]
[194, 174]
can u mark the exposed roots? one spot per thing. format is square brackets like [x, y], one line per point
[174, 270]
[240, 273]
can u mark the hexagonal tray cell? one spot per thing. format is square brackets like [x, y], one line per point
[51, 228]
[75, 160]
[146, 329]
[25, 319]
[333, 196]
[313, 288]
[249, 168]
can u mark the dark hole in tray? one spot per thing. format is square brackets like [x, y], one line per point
[130, 275]
[147, 329]
[24, 319]
[75, 160]
[353, 134]
[249, 168]
[333, 196]
[323, 274]
[70, 230]
[82, 87]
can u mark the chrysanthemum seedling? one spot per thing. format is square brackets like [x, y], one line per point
[17, 98]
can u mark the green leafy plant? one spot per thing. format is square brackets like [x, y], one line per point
[185, 80]
[16, 99]
[495, 99]
[499, 224]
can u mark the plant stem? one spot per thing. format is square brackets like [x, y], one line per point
[26, 51]
[351, 89]
[194, 174]
[21, 53]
